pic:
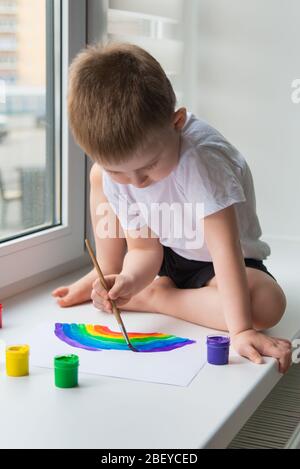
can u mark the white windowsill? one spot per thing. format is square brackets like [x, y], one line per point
[105, 412]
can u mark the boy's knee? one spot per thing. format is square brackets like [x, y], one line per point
[268, 306]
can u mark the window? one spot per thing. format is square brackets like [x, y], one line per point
[8, 6]
[29, 171]
[42, 171]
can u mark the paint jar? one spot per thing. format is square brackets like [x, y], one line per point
[66, 371]
[218, 349]
[17, 360]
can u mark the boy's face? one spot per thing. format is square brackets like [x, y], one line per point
[154, 162]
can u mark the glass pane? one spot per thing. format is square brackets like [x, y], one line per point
[29, 67]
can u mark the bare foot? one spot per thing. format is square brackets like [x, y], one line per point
[77, 293]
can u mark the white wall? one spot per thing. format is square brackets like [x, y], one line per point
[158, 27]
[168, 8]
[245, 55]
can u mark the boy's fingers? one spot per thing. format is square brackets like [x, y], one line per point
[94, 295]
[285, 343]
[103, 294]
[99, 289]
[115, 291]
[253, 355]
[280, 339]
[107, 305]
[283, 355]
[285, 361]
[284, 348]
[285, 364]
[102, 306]
[97, 284]
[113, 294]
[109, 280]
[275, 351]
[122, 300]
[99, 299]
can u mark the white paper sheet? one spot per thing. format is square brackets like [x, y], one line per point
[176, 367]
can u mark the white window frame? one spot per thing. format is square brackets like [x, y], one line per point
[48, 250]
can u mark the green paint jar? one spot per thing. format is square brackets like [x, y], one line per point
[66, 371]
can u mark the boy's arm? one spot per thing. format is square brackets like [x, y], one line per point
[143, 258]
[223, 241]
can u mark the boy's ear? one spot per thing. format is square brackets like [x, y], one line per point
[179, 118]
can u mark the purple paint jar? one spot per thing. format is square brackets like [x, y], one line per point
[218, 349]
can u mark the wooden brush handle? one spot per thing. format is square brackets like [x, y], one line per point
[115, 310]
[102, 280]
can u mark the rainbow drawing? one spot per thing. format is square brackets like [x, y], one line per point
[96, 338]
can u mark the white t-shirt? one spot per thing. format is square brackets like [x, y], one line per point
[211, 174]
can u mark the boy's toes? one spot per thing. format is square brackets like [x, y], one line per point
[60, 292]
[66, 301]
[63, 303]
[73, 298]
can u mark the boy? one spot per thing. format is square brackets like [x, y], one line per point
[155, 167]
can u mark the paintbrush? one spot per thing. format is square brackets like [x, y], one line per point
[115, 310]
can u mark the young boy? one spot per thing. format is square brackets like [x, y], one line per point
[183, 202]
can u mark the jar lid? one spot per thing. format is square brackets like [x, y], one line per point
[17, 351]
[66, 361]
[218, 340]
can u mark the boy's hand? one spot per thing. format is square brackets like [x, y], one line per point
[120, 290]
[252, 345]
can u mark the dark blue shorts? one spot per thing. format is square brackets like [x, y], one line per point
[187, 273]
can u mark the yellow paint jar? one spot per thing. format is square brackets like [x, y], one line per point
[17, 360]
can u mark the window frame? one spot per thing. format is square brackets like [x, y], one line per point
[50, 249]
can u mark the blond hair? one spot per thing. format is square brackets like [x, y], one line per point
[118, 96]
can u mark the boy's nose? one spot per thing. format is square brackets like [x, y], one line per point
[138, 181]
